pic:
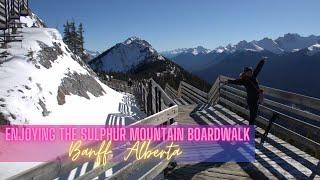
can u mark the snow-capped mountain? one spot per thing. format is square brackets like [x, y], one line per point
[269, 45]
[244, 46]
[194, 51]
[293, 42]
[288, 43]
[124, 56]
[42, 82]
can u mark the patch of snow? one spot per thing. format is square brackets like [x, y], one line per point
[32, 21]
[314, 49]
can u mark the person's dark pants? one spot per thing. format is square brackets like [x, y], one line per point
[253, 108]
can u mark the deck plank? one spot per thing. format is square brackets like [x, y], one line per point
[276, 159]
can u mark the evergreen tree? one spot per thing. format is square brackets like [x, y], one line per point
[80, 41]
[74, 39]
[66, 33]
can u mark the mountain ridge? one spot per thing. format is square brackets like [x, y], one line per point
[287, 43]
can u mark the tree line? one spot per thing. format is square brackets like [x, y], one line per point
[74, 39]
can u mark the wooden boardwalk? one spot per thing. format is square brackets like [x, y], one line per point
[276, 159]
[291, 150]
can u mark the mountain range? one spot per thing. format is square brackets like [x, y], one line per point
[293, 62]
[195, 51]
[288, 43]
[293, 59]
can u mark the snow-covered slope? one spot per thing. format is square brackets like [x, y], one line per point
[42, 82]
[123, 56]
[32, 21]
[193, 51]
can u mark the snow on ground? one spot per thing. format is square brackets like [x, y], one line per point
[29, 81]
[23, 86]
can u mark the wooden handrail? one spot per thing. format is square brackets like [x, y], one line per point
[194, 89]
[281, 106]
[213, 94]
[283, 132]
[165, 97]
[54, 169]
[296, 125]
[170, 90]
[295, 98]
[192, 94]
[57, 168]
[292, 122]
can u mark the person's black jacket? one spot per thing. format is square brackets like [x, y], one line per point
[251, 84]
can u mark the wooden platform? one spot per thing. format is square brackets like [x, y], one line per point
[276, 159]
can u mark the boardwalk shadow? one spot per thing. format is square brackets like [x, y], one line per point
[129, 113]
[291, 169]
[190, 171]
[218, 115]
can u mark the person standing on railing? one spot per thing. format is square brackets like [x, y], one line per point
[248, 79]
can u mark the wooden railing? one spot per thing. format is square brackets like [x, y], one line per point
[171, 91]
[192, 94]
[291, 116]
[300, 127]
[281, 112]
[163, 110]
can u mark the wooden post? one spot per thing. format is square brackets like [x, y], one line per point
[150, 111]
[159, 100]
[142, 97]
[171, 120]
[156, 98]
[218, 98]
[145, 97]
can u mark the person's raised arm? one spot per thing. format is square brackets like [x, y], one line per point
[257, 70]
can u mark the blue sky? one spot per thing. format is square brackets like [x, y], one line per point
[171, 24]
